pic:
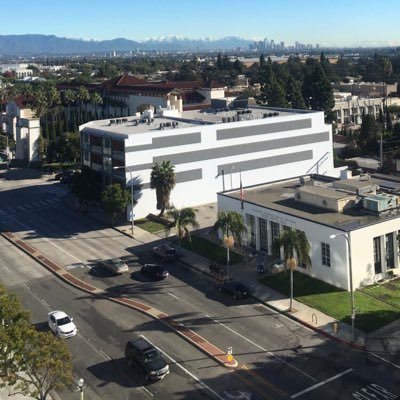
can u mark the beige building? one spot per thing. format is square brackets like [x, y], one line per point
[20, 121]
[349, 108]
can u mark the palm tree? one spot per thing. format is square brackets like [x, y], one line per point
[294, 243]
[163, 179]
[182, 219]
[96, 99]
[232, 226]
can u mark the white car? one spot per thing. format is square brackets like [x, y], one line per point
[61, 324]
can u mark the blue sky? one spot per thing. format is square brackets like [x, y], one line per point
[327, 22]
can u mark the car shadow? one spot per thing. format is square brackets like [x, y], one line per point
[117, 371]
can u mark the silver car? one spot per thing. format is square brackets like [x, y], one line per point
[115, 265]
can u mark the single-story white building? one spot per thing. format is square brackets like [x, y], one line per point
[363, 212]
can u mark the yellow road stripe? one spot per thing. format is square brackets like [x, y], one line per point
[249, 383]
[262, 380]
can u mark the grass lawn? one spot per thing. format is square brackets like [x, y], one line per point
[211, 250]
[371, 312]
[149, 226]
[388, 292]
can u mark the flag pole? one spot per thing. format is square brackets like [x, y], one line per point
[241, 190]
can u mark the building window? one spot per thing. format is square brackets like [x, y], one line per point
[389, 251]
[377, 255]
[326, 254]
[107, 142]
[86, 156]
[251, 223]
[263, 234]
[274, 230]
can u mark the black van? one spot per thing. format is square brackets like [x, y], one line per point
[143, 355]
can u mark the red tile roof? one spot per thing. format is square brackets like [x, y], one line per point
[23, 101]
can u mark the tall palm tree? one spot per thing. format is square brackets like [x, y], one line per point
[294, 244]
[182, 218]
[232, 226]
[163, 179]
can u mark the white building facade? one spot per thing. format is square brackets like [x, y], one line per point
[321, 212]
[210, 150]
[20, 121]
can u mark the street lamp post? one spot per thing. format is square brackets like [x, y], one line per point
[131, 175]
[353, 310]
[80, 386]
[291, 263]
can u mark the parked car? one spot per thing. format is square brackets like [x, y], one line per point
[64, 174]
[235, 288]
[156, 271]
[144, 356]
[61, 324]
[115, 265]
[164, 252]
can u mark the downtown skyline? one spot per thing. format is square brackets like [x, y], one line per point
[338, 24]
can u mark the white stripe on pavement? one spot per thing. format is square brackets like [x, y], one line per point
[321, 383]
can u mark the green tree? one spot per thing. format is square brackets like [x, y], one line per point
[114, 200]
[96, 99]
[296, 249]
[40, 147]
[163, 180]
[231, 224]
[45, 365]
[294, 244]
[182, 218]
[35, 362]
[293, 96]
[87, 186]
[14, 323]
[368, 135]
[275, 95]
[317, 90]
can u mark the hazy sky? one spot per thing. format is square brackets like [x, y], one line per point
[327, 22]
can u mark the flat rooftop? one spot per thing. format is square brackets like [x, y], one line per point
[133, 125]
[280, 196]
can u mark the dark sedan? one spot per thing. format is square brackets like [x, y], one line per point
[156, 271]
[235, 288]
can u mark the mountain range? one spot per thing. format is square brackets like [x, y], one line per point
[30, 45]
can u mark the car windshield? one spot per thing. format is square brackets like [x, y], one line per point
[119, 264]
[63, 321]
[151, 355]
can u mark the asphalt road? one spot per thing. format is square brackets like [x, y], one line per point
[278, 358]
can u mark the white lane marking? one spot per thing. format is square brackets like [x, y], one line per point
[262, 348]
[176, 297]
[200, 382]
[321, 383]
[387, 361]
[5, 268]
[47, 240]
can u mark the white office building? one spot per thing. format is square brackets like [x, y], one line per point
[210, 149]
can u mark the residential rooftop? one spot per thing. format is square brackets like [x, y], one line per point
[281, 196]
